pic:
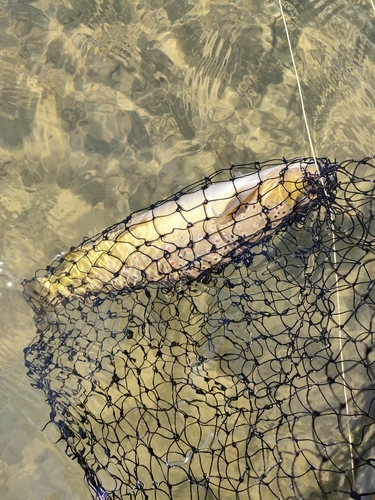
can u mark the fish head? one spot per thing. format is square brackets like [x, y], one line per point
[287, 187]
[296, 180]
[314, 182]
[308, 181]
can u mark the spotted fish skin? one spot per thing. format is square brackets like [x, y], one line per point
[180, 238]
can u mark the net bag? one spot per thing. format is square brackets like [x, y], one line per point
[220, 344]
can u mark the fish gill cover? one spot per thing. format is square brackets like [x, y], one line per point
[220, 344]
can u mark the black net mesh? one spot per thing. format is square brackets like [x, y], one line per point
[220, 345]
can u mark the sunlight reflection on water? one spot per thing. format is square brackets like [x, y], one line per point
[107, 108]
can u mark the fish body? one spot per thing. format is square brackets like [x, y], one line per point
[183, 237]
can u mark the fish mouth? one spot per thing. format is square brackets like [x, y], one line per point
[328, 171]
[322, 184]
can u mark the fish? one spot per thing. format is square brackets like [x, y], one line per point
[185, 237]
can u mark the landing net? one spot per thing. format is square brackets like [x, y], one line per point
[234, 379]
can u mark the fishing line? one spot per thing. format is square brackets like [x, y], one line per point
[332, 221]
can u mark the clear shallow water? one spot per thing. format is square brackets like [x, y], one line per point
[106, 108]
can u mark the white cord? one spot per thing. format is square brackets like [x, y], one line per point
[332, 220]
[299, 88]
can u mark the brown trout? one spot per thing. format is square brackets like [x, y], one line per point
[184, 237]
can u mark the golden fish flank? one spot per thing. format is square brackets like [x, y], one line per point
[180, 238]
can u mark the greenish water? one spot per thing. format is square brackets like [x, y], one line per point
[106, 107]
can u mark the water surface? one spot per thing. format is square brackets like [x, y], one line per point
[106, 107]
